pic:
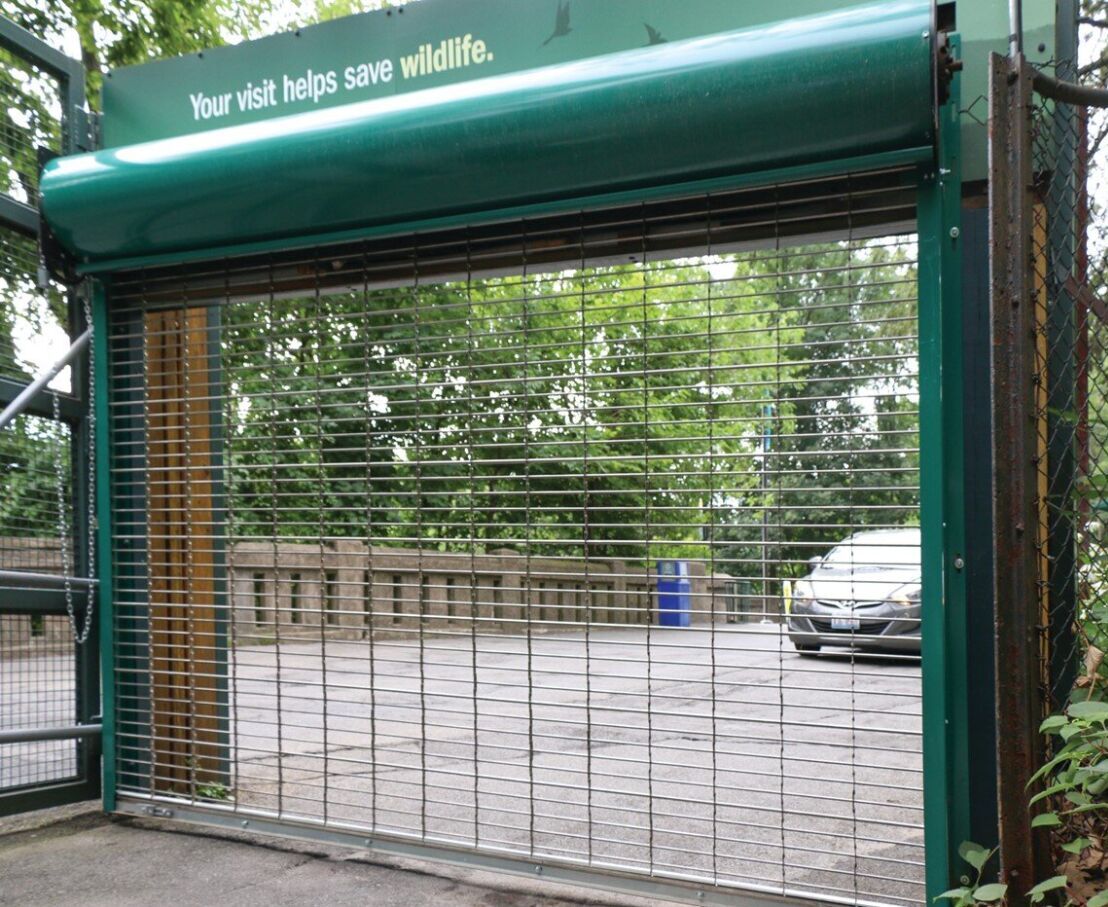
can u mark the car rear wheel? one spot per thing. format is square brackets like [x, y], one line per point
[806, 650]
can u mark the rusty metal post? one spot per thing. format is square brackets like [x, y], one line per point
[1015, 471]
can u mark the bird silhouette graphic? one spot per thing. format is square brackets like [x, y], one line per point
[653, 35]
[561, 23]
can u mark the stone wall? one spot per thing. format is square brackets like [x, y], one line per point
[350, 591]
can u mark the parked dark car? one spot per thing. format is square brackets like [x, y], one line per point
[864, 593]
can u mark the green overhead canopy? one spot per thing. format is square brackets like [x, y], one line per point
[856, 83]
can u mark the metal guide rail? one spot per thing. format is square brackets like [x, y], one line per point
[590, 546]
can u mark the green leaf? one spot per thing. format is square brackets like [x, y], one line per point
[1090, 711]
[974, 854]
[1049, 792]
[1063, 755]
[1077, 798]
[1076, 846]
[1070, 731]
[989, 893]
[955, 894]
[1043, 888]
[1053, 723]
[1088, 808]
[1046, 820]
[1099, 900]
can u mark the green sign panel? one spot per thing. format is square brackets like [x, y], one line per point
[438, 43]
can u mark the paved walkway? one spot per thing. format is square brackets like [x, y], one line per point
[76, 856]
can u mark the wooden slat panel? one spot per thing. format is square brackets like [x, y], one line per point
[185, 714]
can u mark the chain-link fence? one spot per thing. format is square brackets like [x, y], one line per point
[1069, 268]
[1070, 282]
[1050, 352]
[1069, 424]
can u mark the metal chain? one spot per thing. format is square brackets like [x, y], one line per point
[79, 636]
[90, 486]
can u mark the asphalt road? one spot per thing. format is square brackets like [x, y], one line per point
[719, 756]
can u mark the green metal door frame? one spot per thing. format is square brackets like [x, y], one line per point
[942, 464]
[104, 535]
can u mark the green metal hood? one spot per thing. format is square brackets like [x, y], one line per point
[853, 83]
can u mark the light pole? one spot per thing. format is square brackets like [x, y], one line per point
[768, 413]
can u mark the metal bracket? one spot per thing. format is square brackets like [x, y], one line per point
[86, 129]
[56, 263]
[946, 65]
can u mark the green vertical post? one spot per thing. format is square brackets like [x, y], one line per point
[103, 530]
[942, 478]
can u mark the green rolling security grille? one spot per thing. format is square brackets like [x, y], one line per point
[387, 519]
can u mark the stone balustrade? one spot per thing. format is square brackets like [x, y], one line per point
[290, 590]
[353, 591]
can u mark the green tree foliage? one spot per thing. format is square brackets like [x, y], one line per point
[114, 33]
[620, 403]
[847, 451]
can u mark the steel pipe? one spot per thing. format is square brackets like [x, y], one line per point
[1068, 92]
[32, 390]
[25, 579]
[36, 735]
[1015, 29]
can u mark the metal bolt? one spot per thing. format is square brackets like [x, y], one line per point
[245, 823]
[959, 563]
[538, 870]
[926, 35]
[955, 232]
[965, 880]
[700, 895]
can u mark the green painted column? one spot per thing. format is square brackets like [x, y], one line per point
[942, 456]
[103, 529]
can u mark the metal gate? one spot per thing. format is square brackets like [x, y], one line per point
[49, 750]
[594, 529]
[489, 545]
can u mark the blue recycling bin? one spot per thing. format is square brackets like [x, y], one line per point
[674, 594]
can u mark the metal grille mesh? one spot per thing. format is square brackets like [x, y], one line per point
[38, 663]
[1069, 248]
[37, 657]
[36, 691]
[30, 119]
[32, 322]
[30, 449]
[388, 555]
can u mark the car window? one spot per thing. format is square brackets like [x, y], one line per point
[861, 555]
